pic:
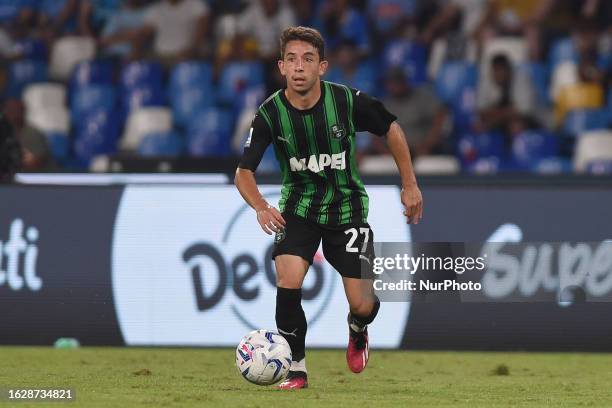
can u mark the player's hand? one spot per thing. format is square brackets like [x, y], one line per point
[413, 202]
[270, 219]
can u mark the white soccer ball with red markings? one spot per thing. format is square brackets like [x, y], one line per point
[263, 357]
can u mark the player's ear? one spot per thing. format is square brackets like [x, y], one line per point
[323, 67]
[281, 67]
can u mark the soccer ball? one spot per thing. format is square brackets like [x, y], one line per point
[263, 357]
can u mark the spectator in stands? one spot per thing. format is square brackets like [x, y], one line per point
[36, 155]
[389, 17]
[470, 14]
[519, 18]
[270, 17]
[237, 48]
[342, 22]
[57, 17]
[93, 14]
[179, 29]
[585, 36]
[10, 151]
[7, 46]
[347, 69]
[506, 98]
[588, 90]
[304, 12]
[534, 20]
[117, 35]
[18, 17]
[17, 21]
[419, 112]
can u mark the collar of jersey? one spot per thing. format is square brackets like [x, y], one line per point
[303, 111]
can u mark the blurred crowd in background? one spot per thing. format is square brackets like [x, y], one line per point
[479, 86]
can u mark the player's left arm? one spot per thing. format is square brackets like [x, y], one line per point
[371, 115]
[411, 194]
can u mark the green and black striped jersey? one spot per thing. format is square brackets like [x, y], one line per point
[316, 151]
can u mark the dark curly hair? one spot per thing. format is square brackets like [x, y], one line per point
[306, 34]
[10, 151]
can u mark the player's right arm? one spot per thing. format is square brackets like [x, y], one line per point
[260, 136]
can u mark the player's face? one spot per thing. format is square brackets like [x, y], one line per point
[301, 66]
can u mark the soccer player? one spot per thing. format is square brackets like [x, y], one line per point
[311, 124]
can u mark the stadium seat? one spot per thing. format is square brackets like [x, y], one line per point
[190, 90]
[552, 165]
[142, 122]
[168, 144]
[69, 51]
[135, 98]
[97, 133]
[485, 165]
[59, 145]
[409, 55]
[91, 72]
[513, 48]
[540, 78]
[599, 167]
[564, 74]
[378, 165]
[364, 78]
[456, 87]
[141, 86]
[90, 98]
[236, 77]
[562, 50]
[472, 147]
[453, 79]
[530, 146]
[30, 48]
[49, 119]
[437, 165]
[578, 96]
[190, 74]
[188, 102]
[439, 56]
[43, 95]
[23, 73]
[141, 74]
[581, 120]
[592, 146]
[251, 98]
[210, 133]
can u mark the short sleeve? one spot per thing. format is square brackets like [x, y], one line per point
[260, 136]
[370, 114]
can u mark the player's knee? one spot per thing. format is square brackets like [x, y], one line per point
[286, 279]
[290, 271]
[366, 311]
[288, 282]
[362, 307]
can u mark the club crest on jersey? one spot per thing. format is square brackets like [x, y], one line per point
[337, 131]
[280, 236]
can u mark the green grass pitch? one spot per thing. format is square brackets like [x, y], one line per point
[145, 377]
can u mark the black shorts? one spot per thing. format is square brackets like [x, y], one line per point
[348, 248]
